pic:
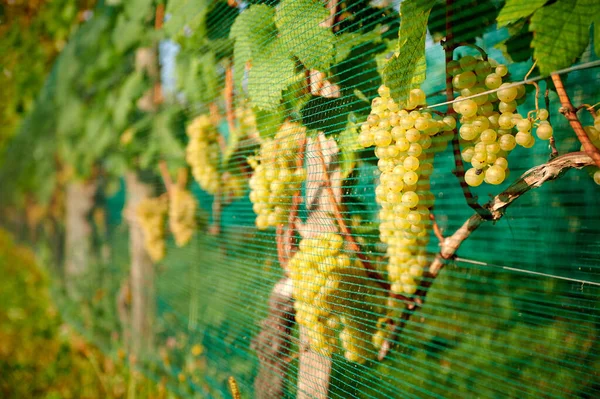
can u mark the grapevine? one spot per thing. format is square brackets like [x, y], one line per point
[202, 153]
[276, 176]
[151, 213]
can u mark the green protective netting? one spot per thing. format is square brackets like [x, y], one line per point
[512, 313]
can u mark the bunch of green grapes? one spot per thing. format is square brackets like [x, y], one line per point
[593, 133]
[405, 141]
[182, 215]
[276, 177]
[151, 214]
[327, 301]
[491, 127]
[202, 153]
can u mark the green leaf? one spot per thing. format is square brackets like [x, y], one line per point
[298, 23]
[514, 10]
[272, 71]
[138, 9]
[561, 32]
[129, 93]
[347, 41]
[407, 68]
[348, 143]
[252, 30]
[597, 37]
[268, 123]
[185, 17]
[126, 33]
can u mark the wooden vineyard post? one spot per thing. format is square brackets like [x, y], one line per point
[78, 233]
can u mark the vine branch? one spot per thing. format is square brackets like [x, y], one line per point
[531, 179]
[570, 112]
[352, 244]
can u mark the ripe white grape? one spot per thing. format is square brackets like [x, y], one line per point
[495, 175]
[472, 178]
[544, 130]
[182, 215]
[597, 177]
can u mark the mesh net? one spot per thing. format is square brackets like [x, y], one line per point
[280, 267]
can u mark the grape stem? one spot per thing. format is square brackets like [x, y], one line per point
[352, 244]
[570, 112]
[552, 142]
[533, 178]
[436, 228]
[484, 55]
[289, 247]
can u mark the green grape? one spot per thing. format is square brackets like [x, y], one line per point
[464, 80]
[495, 175]
[524, 125]
[473, 177]
[544, 130]
[468, 63]
[522, 138]
[493, 81]
[501, 70]
[543, 114]
[507, 94]
[596, 177]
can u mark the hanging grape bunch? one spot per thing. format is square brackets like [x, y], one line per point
[326, 299]
[182, 215]
[405, 141]
[202, 153]
[491, 127]
[151, 214]
[276, 177]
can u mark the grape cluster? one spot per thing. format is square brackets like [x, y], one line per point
[593, 133]
[182, 215]
[276, 177]
[327, 301]
[405, 141]
[491, 127]
[151, 214]
[202, 153]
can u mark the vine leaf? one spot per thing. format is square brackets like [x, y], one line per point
[597, 38]
[185, 16]
[347, 41]
[407, 67]
[348, 143]
[251, 30]
[267, 123]
[514, 10]
[562, 32]
[272, 71]
[298, 23]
